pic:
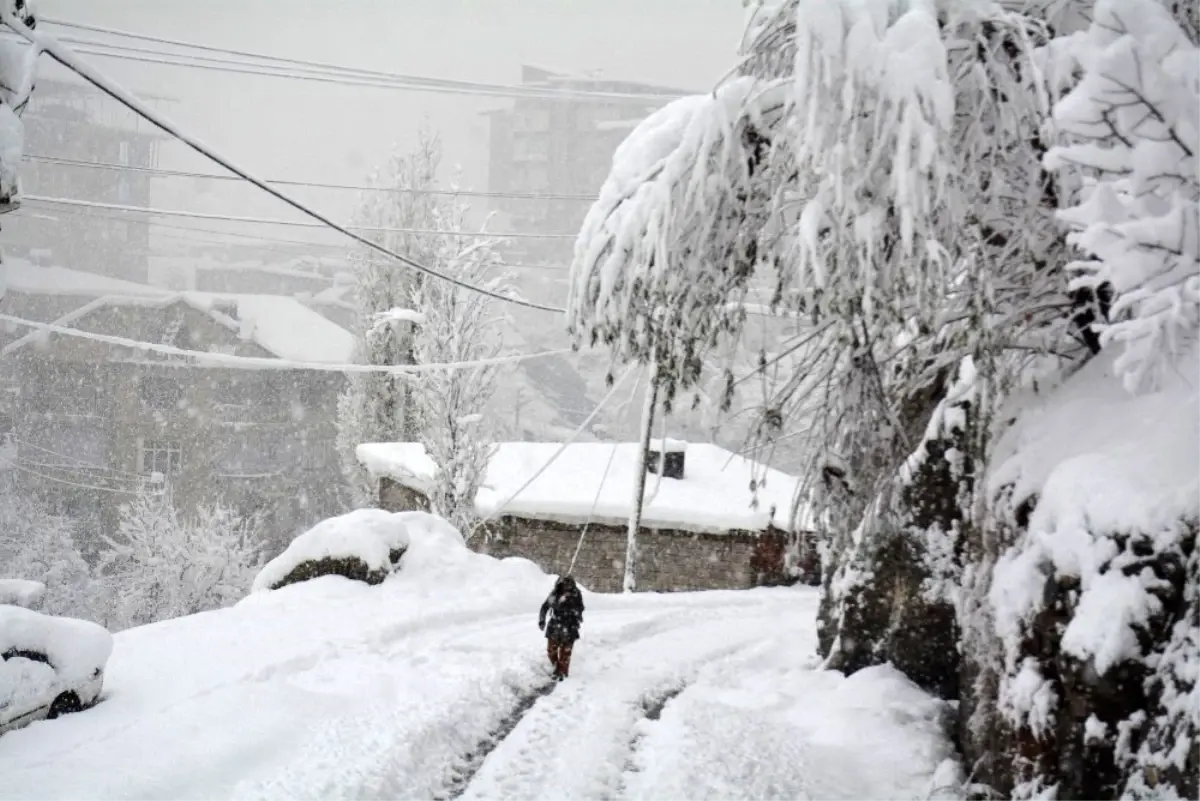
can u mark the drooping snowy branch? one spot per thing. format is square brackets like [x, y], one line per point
[1132, 126]
[18, 63]
[672, 236]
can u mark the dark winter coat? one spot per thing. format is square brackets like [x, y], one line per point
[565, 607]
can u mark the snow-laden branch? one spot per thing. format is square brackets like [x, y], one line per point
[660, 250]
[1132, 126]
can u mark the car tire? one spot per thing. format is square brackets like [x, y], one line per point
[64, 704]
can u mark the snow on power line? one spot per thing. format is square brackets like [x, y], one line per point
[203, 215]
[231, 361]
[209, 176]
[380, 78]
[65, 56]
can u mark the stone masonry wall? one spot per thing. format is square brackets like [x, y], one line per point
[668, 560]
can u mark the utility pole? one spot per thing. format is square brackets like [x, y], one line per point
[639, 482]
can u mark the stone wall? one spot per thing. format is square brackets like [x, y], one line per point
[668, 560]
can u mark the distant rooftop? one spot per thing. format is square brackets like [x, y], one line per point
[280, 325]
[714, 495]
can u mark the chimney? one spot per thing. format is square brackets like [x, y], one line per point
[670, 452]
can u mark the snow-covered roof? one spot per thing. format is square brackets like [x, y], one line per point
[713, 496]
[282, 326]
[20, 275]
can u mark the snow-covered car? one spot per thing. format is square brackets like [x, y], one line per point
[50, 665]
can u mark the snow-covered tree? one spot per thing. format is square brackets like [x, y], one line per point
[458, 325]
[876, 169]
[376, 407]
[18, 62]
[408, 318]
[1132, 125]
[160, 566]
[40, 546]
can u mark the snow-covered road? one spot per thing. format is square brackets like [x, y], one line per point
[419, 689]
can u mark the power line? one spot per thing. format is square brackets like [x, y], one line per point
[560, 268]
[104, 165]
[229, 360]
[587, 421]
[68, 59]
[203, 215]
[45, 477]
[407, 80]
[83, 463]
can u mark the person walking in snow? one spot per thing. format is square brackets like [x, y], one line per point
[565, 607]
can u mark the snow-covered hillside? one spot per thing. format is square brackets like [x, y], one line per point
[435, 685]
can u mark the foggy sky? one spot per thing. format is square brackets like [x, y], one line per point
[309, 131]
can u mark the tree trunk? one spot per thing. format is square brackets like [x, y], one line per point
[639, 482]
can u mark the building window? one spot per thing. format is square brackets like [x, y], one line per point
[163, 393]
[123, 153]
[161, 456]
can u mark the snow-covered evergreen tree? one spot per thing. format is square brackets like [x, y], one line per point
[376, 407]
[160, 566]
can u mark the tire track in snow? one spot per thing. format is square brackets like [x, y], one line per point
[576, 742]
[654, 706]
[462, 772]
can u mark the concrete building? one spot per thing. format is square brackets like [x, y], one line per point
[93, 421]
[71, 120]
[556, 146]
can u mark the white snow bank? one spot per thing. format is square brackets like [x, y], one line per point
[21, 592]
[333, 689]
[774, 729]
[370, 535]
[75, 648]
[714, 495]
[1104, 465]
[330, 689]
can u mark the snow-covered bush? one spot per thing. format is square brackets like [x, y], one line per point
[364, 545]
[1132, 125]
[160, 566]
[21, 592]
[38, 546]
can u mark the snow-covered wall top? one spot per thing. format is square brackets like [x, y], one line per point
[1107, 467]
[1122, 462]
[714, 496]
